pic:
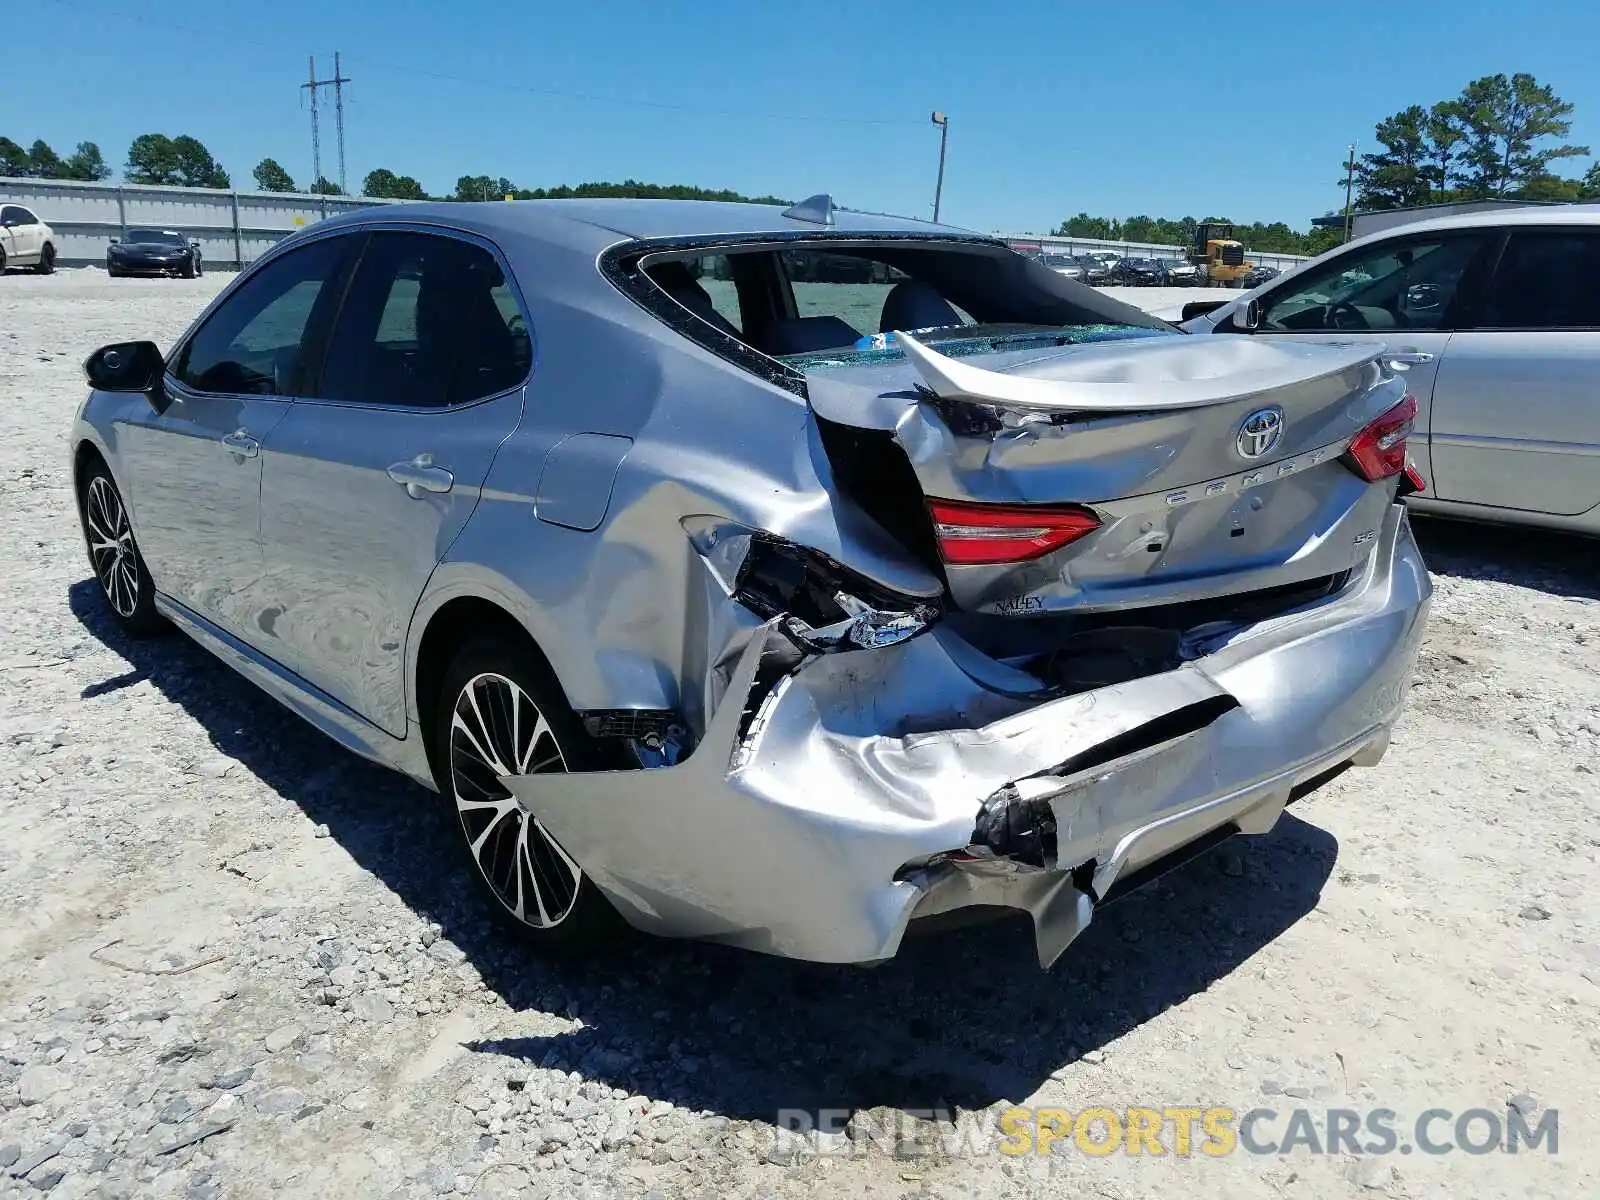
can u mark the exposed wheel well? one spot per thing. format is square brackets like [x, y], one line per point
[86, 456]
[460, 621]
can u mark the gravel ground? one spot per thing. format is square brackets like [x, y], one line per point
[237, 962]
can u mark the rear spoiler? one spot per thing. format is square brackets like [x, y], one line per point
[1153, 375]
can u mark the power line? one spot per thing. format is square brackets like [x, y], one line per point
[234, 41]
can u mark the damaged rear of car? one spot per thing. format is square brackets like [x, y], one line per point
[935, 583]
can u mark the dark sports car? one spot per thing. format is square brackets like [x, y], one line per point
[153, 252]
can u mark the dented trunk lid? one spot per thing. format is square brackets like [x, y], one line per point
[1147, 431]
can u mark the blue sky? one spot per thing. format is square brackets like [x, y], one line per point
[1167, 107]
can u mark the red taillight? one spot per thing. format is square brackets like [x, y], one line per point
[1379, 450]
[978, 534]
[1414, 482]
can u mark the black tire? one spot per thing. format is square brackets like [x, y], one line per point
[2, 262]
[516, 855]
[47, 260]
[112, 272]
[190, 269]
[114, 556]
[199, 268]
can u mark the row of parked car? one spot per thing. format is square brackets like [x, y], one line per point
[27, 241]
[1104, 268]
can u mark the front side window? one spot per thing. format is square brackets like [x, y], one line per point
[256, 342]
[1405, 283]
[10, 215]
[429, 321]
[23, 216]
[1546, 280]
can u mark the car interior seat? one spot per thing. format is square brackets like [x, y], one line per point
[675, 279]
[913, 304]
[803, 335]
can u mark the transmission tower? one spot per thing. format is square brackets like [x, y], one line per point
[315, 85]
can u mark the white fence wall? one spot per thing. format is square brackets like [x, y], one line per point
[232, 227]
[1029, 243]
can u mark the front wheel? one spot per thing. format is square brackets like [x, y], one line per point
[501, 713]
[118, 566]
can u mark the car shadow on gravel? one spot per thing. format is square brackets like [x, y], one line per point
[960, 1019]
[1558, 563]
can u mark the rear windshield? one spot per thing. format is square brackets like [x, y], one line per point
[162, 237]
[842, 301]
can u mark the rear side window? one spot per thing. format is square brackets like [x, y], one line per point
[1546, 280]
[257, 341]
[429, 322]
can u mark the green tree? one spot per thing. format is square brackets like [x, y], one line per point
[1589, 187]
[271, 177]
[13, 158]
[1446, 129]
[386, 184]
[43, 162]
[1511, 125]
[326, 187]
[86, 163]
[1394, 177]
[196, 167]
[152, 158]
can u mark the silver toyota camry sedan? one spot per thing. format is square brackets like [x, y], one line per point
[773, 577]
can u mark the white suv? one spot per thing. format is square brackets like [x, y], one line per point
[1498, 316]
[25, 241]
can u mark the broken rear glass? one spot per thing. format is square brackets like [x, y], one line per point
[966, 341]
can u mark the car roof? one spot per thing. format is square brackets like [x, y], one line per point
[629, 218]
[1494, 218]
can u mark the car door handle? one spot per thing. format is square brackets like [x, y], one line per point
[1408, 358]
[241, 443]
[420, 475]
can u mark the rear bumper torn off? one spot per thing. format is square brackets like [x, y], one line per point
[817, 819]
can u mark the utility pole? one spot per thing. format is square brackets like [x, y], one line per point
[315, 85]
[942, 120]
[338, 109]
[316, 125]
[1349, 182]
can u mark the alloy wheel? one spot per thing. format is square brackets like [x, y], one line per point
[111, 548]
[497, 730]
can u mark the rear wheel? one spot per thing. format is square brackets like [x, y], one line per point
[47, 260]
[118, 566]
[501, 713]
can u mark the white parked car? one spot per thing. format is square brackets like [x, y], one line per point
[1497, 315]
[25, 241]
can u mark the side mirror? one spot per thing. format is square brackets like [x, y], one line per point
[114, 241]
[129, 367]
[1199, 308]
[1248, 315]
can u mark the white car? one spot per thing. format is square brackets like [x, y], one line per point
[1497, 316]
[25, 241]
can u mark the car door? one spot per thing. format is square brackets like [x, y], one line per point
[1407, 291]
[193, 470]
[30, 234]
[365, 487]
[1516, 414]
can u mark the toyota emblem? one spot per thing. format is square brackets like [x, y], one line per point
[1259, 432]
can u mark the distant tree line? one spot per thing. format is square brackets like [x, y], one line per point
[39, 161]
[1497, 140]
